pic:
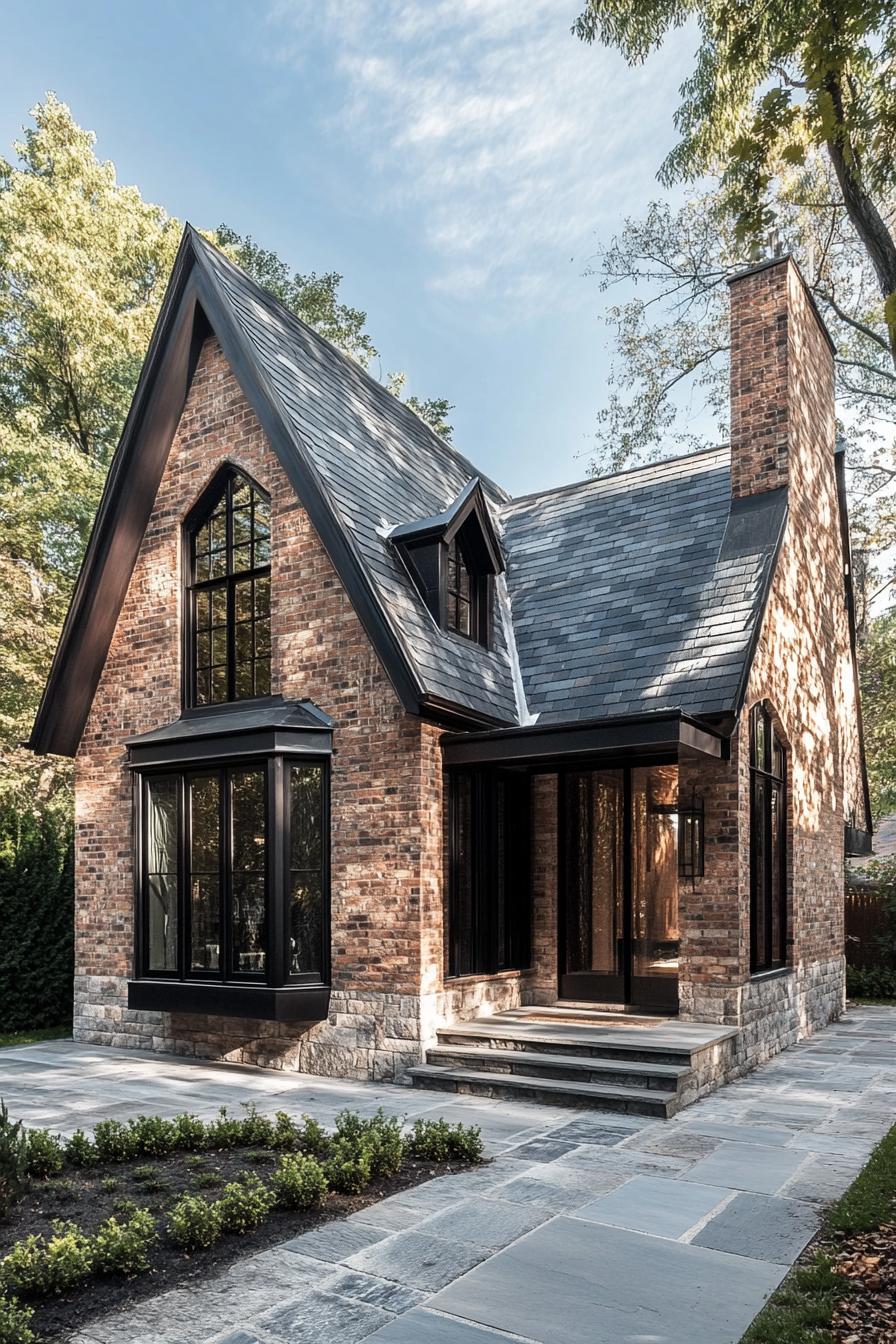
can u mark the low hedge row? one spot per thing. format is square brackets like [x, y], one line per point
[312, 1163]
[871, 982]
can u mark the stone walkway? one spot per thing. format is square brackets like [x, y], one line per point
[586, 1227]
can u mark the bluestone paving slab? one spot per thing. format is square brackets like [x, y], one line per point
[762, 1228]
[673, 1143]
[484, 1222]
[594, 1131]
[428, 1327]
[418, 1260]
[385, 1293]
[744, 1166]
[541, 1149]
[572, 1280]
[764, 1135]
[321, 1317]
[335, 1241]
[651, 1204]
[821, 1180]
[546, 1194]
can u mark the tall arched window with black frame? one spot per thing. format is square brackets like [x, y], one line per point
[229, 599]
[768, 844]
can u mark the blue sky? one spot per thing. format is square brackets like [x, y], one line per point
[459, 161]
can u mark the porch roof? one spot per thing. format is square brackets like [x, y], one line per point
[629, 734]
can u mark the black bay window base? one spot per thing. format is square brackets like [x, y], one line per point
[293, 1003]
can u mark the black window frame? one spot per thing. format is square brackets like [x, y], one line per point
[220, 487]
[277, 974]
[487, 862]
[768, 809]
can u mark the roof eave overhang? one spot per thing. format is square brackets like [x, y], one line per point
[629, 735]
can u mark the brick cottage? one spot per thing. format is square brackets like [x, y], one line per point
[379, 769]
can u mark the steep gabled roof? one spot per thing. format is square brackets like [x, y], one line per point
[641, 591]
[623, 594]
[360, 460]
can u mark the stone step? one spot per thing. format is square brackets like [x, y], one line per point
[552, 1092]
[573, 1068]
[545, 1039]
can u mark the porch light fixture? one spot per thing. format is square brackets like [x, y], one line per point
[691, 839]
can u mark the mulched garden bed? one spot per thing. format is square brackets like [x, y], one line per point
[89, 1197]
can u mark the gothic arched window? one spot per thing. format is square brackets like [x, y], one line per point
[229, 598]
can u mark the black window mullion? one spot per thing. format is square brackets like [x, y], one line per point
[226, 883]
[184, 877]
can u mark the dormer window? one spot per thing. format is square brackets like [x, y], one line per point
[452, 558]
[229, 592]
[462, 591]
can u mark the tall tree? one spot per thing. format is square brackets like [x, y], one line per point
[771, 83]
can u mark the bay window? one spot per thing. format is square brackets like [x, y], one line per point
[232, 868]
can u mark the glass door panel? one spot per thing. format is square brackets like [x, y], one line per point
[655, 937]
[593, 942]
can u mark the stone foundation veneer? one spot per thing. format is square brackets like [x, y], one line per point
[367, 1036]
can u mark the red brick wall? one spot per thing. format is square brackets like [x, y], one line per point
[783, 433]
[386, 778]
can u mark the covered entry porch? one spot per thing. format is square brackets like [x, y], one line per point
[571, 853]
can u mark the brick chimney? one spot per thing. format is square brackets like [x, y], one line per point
[782, 383]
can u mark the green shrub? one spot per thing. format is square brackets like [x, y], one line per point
[123, 1248]
[299, 1182]
[144, 1172]
[80, 1151]
[286, 1134]
[110, 1185]
[379, 1136]
[224, 1131]
[195, 1163]
[311, 1137]
[13, 1160]
[871, 982]
[244, 1203]
[347, 1167]
[38, 1267]
[255, 1128]
[36, 916]
[439, 1141]
[206, 1179]
[152, 1135]
[193, 1223]
[113, 1141]
[45, 1153]
[190, 1133]
[15, 1323]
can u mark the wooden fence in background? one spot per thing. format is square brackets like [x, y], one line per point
[865, 924]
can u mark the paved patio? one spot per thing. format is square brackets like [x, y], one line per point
[591, 1227]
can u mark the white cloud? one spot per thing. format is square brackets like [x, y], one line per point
[511, 141]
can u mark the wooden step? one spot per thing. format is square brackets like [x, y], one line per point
[574, 1068]
[550, 1091]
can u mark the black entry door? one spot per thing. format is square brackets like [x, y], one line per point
[619, 886]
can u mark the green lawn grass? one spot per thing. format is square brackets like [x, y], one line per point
[29, 1037]
[800, 1311]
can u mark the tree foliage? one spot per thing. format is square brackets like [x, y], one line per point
[771, 85]
[84, 261]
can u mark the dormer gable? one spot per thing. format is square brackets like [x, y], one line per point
[453, 557]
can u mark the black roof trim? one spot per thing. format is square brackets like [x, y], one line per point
[470, 503]
[661, 730]
[609, 476]
[234, 718]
